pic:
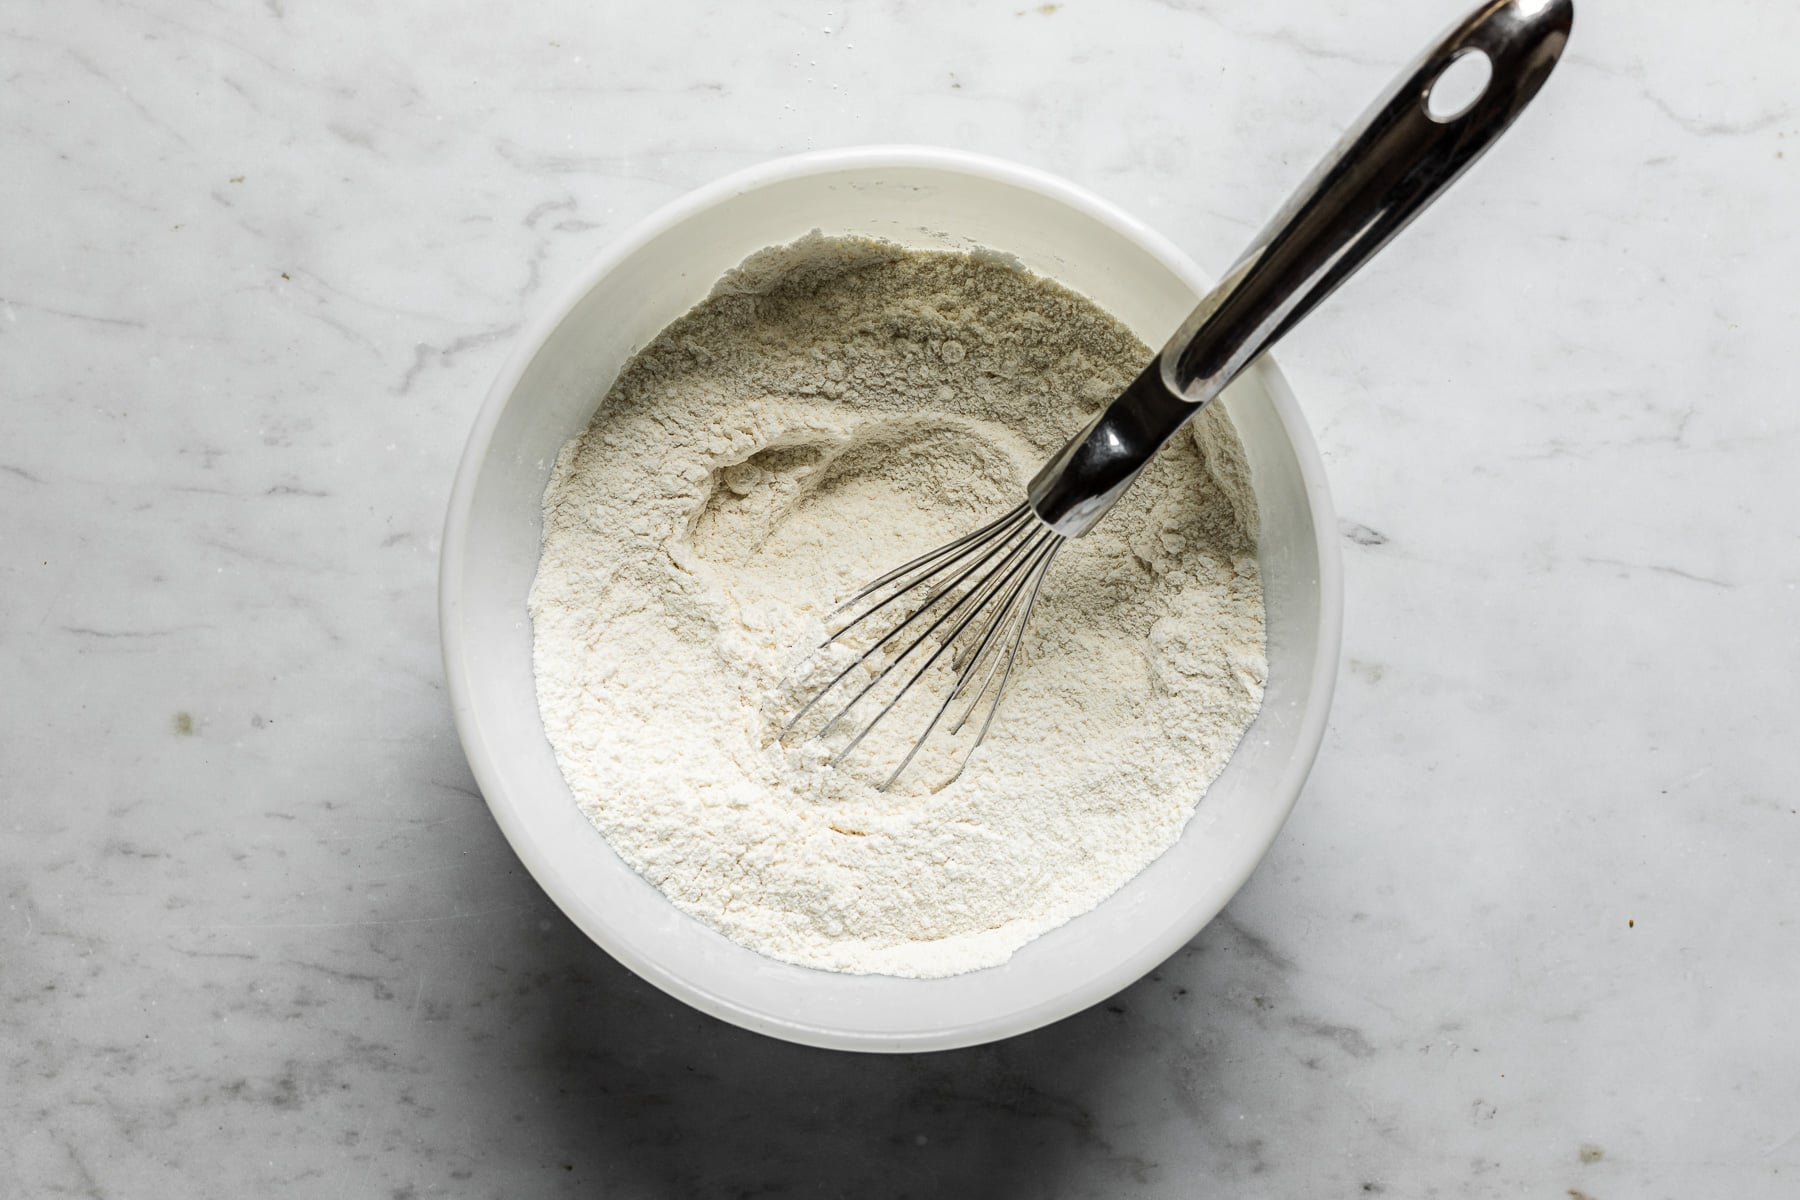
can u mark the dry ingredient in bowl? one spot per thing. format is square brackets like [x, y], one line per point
[835, 407]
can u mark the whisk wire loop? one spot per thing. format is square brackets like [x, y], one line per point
[971, 601]
[1045, 547]
[983, 553]
[977, 595]
[1012, 653]
[929, 566]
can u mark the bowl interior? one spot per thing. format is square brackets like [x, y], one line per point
[549, 393]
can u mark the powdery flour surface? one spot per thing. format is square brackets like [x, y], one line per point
[837, 407]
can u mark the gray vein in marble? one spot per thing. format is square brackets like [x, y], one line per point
[425, 356]
[1657, 568]
[1287, 38]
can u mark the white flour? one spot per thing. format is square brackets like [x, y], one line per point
[836, 408]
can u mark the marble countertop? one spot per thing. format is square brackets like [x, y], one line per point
[1531, 931]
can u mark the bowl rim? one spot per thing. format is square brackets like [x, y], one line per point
[452, 567]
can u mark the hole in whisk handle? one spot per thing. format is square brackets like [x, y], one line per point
[1459, 86]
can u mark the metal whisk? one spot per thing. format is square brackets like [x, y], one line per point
[972, 599]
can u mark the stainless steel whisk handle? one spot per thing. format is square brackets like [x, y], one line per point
[1384, 172]
[1397, 159]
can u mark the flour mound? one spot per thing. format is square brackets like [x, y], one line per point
[834, 408]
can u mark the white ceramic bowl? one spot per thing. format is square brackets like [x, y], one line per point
[550, 389]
